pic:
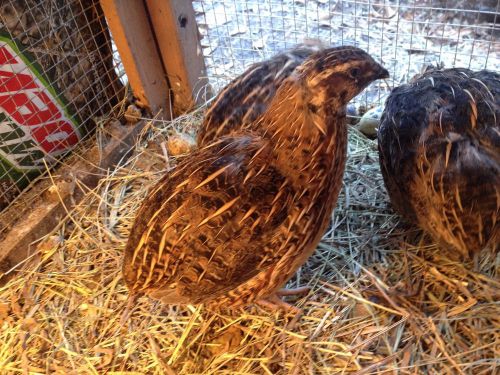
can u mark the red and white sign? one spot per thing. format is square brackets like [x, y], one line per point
[30, 105]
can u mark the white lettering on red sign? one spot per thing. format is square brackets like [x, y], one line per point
[30, 105]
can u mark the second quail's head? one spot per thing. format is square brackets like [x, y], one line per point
[340, 73]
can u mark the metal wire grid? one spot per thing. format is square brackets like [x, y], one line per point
[405, 36]
[71, 43]
[71, 46]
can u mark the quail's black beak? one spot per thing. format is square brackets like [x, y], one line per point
[382, 73]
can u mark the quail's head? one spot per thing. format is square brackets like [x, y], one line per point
[340, 73]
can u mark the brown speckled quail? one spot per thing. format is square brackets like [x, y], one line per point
[439, 144]
[236, 218]
[247, 97]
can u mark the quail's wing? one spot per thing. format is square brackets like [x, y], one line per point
[214, 223]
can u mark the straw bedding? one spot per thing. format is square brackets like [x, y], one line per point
[384, 299]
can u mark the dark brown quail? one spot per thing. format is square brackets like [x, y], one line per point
[237, 217]
[439, 144]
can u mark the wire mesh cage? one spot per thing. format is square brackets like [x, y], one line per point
[404, 35]
[383, 298]
[58, 73]
[65, 52]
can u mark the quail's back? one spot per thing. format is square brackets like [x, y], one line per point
[248, 96]
[237, 217]
[439, 144]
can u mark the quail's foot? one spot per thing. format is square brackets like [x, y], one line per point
[131, 301]
[275, 302]
[303, 290]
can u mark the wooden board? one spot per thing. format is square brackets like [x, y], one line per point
[177, 35]
[131, 29]
[51, 206]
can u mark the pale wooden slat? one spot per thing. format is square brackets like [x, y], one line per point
[176, 33]
[131, 30]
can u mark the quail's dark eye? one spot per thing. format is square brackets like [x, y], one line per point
[354, 73]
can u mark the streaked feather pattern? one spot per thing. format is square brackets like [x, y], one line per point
[247, 97]
[439, 144]
[237, 217]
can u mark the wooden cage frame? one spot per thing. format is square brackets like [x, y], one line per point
[160, 48]
[159, 45]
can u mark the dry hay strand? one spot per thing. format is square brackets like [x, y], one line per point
[384, 298]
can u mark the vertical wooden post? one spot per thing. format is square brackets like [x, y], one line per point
[131, 29]
[176, 33]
